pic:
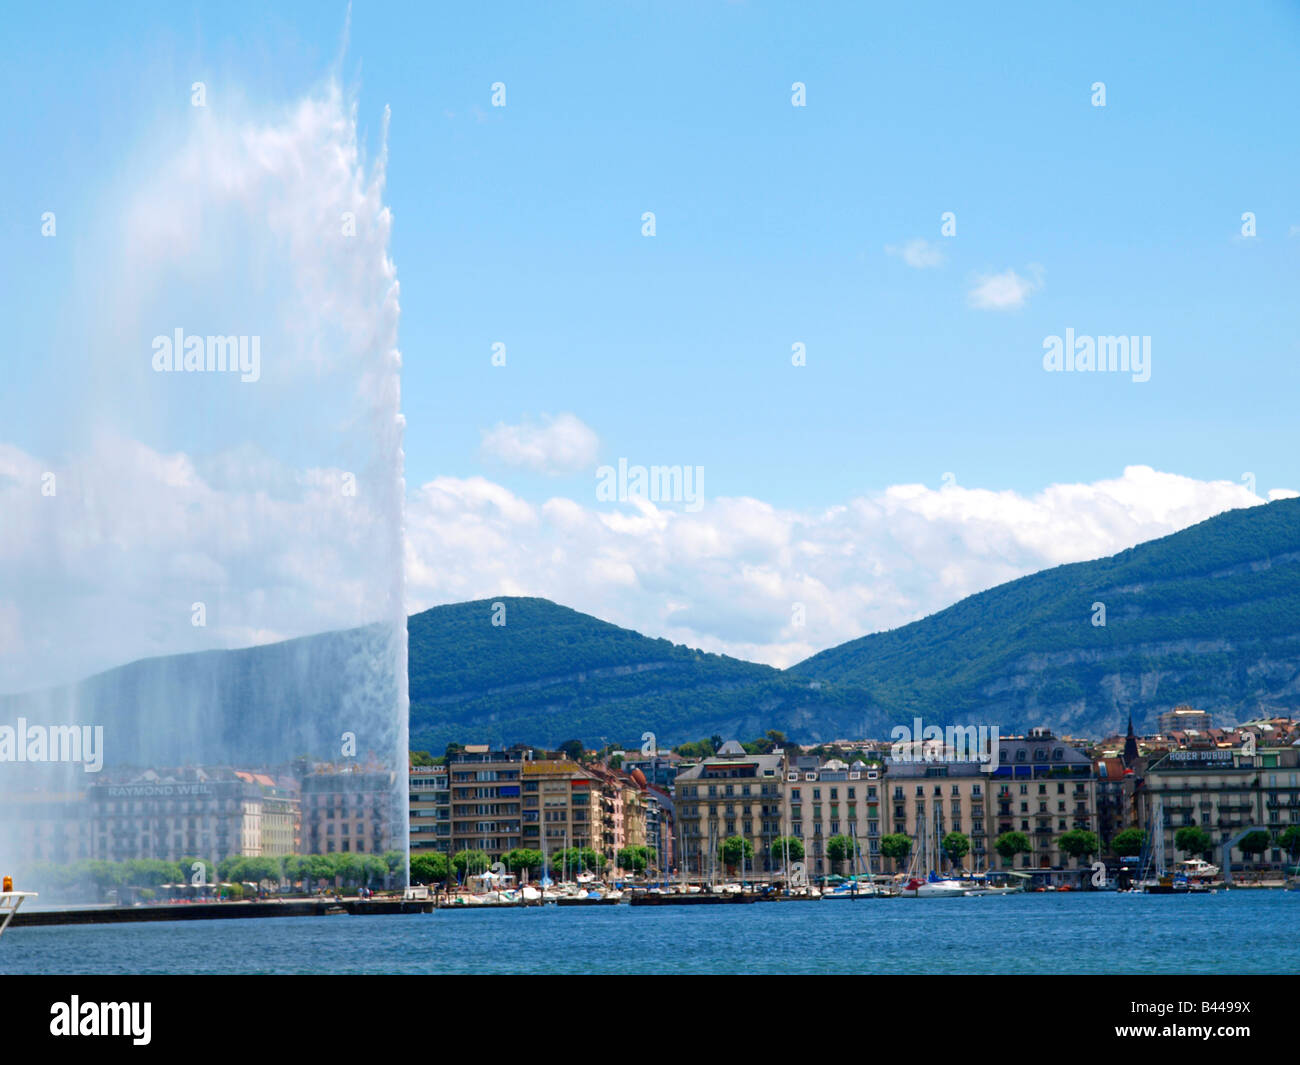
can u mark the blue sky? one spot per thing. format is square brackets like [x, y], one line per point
[522, 225]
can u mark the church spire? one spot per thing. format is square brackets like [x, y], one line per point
[1130, 745]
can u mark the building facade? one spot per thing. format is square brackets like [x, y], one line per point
[730, 794]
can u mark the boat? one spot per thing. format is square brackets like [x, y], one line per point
[1197, 869]
[1155, 879]
[11, 901]
[933, 886]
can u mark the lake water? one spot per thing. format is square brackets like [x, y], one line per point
[1233, 932]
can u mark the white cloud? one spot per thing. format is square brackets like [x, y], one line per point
[563, 444]
[1005, 291]
[918, 253]
[727, 577]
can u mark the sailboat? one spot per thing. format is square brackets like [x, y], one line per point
[1154, 878]
[933, 886]
[853, 888]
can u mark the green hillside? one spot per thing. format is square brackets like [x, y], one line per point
[550, 674]
[1208, 616]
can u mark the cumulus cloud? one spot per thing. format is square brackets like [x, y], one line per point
[1006, 291]
[918, 253]
[553, 445]
[728, 577]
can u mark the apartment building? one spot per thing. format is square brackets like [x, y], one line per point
[927, 800]
[1118, 788]
[41, 825]
[561, 806]
[347, 808]
[487, 799]
[832, 798]
[430, 810]
[729, 794]
[1184, 719]
[1044, 787]
[1227, 794]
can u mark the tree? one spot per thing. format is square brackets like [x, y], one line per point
[636, 858]
[1009, 844]
[841, 849]
[207, 872]
[467, 862]
[1079, 843]
[956, 845]
[429, 868]
[896, 845]
[735, 849]
[422, 758]
[1289, 840]
[791, 845]
[320, 867]
[1129, 843]
[373, 867]
[523, 858]
[1193, 840]
[1254, 843]
[573, 749]
[348, 867]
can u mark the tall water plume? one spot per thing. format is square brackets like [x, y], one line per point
[222, 468]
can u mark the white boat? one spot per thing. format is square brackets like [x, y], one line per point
[932, 889]
[1197, 869]
[10, 901]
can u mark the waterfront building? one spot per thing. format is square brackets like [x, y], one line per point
[729, 794]
[832, 798]
[211, 813]
[347, 808]
[1118, 787]
[486, 799]
[1044, 787]
[44, 824]
[1227, 794]
[561, 806]
[660, 834]
[941, 797]
[430, 810]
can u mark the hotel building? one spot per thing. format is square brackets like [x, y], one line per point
[730, 794]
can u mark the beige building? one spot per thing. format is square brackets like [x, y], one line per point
[192, 812]
[561, 807]
[927, 800]
[1043, 787]
[487, 799]
[1184, 719]
[730, 794]
[829, 799]
[347, 809]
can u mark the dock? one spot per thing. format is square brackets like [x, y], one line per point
[209, 911]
